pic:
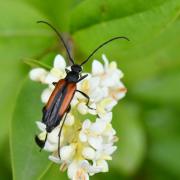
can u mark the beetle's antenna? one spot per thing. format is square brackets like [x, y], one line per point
[60, 37]
[100, 46]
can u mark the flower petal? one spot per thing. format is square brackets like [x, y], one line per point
[95, 142]
[59, 62]
[106, 61]
[53, 136]
[81, 175]
[50, 78]
[55, 159]
[82, 137]
[41, 126]
[72, 169]
[104, 165]
[98, 127]
[94, 82]
[106, 117]
[50, 147]
[86, 124]
[88, 153]
[45, 95]
[97, 68]
[67, 152]
[110, 150]
[69, 120]
[82, 108]
[38, 74]
[110, 106]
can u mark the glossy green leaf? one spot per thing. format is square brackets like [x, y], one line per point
[27, 161]
[132, 143]
[92, 12]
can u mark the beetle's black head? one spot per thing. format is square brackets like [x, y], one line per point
[76, 68]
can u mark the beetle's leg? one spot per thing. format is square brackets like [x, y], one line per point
[88, 99]
[60, 131]
[81, 78]
[54, 83]
[67, 70]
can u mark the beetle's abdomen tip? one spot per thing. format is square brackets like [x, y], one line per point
[39, 142]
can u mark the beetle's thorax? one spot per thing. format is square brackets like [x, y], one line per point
[72, 76]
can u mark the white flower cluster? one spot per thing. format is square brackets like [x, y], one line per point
[87, 145]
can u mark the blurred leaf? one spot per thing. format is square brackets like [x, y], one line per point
[161, 89]
[5, 165]
[92, 12]
[158, 57]
[57, 12]
[27, 161]
[132, 142]
[155, 172]
[19, 37]
[163, 129]
[35, 63]
[112, 174]
[54, 172]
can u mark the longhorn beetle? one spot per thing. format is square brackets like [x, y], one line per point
[58, 104]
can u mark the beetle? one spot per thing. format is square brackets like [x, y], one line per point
[58, 105]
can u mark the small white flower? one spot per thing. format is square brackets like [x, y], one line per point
[80, 169]
[69, 120]
[45, 95]
[88, 153]
[41, 126]
[85, 130]
[85, 145]
[59, 62]
[38, 74]
[82, 108]
[97, 68]
[103, 164]
[67, 152]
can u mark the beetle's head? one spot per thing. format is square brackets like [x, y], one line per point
[76, 68]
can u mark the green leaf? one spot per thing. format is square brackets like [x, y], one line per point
[163, 128]
[156, 172]
[91, 12]
[27, 161]
[143, 29]
[163, 89]
[5, 166]
[54, 172]
[132, 143]
[19, 37]
[58, 12]
[36, 63]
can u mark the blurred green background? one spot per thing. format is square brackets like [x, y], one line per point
[147, 120]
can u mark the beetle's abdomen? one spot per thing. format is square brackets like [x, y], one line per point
[58, 104]
[70, 90]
